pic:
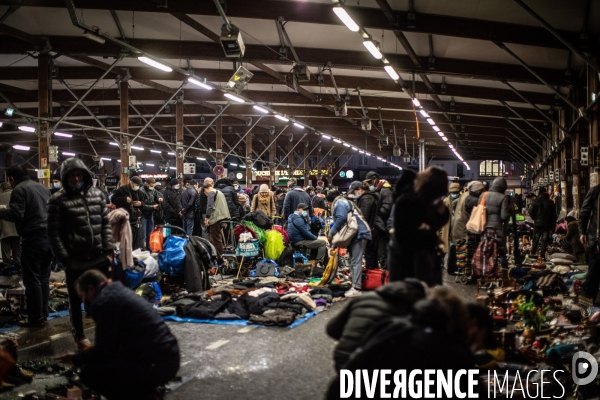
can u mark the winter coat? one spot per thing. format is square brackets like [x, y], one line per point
[216, 208]
[368, 204]
[292, 199]
[130, 327]
[7, 229]
[298, 229]
[446, 229]
[498, 210]
[466, 202]
[187, 202]
[119, 199]
[351, 325]
[78, 225]
[588, 219]
[152, 197]
[279, 202]
[267, 207]
[543, 212]
[341, 209]
[318, 201]
[171, 204]
[386, 199]
[231, 196]
[27, 209]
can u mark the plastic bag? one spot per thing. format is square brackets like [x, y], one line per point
[260, 233]
[134, 276]
[172, 259]
[156, 241]
[300, 258]
[151, 267]
[274, 245]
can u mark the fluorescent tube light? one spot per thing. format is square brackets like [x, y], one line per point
[281, 118]
[431, 122]
[346, 18]
[149, 165]
[346, 144]
[373, 49]
[232, 164]
[66, 153]
[354, 148]
[416, 102]
[297, 125]
[94, 37]
[156, 151]
[172, 167]
[391, 72]
[444, 138]
[21, 147]
[137, 148]
[155, 64]
[441, 133]
[326, 137]
[424, 113]
[61, 134]
[261, 109]
[198, 83]
[361, 151]
[337, 140]
[234, 98]
[106, 159]
[114, 144]
[26, 128]
[435, 128]
[171, 154]
[200, 158]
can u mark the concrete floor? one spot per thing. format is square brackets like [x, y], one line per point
[224, 361]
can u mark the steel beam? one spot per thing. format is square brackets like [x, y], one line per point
[523, 119]
[526, 134]
[244, 137]
[209, 125]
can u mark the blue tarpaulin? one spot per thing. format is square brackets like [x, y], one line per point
[239, 322]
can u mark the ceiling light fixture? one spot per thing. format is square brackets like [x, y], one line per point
[137, 148]
[431, 122]
[361, 152]
[114, 144]
[345, 18]
[68, 135]
[371, 45]
[201, 158]
[416, 102]
[441, 133]
[391, 72]
[261, 109]
[297, 125]
[435, 128]
[424, 113]
[281, 118]
[66, 153]
[155, 64]
[26, 128]
[346, 144]
[106, 159]
[337, 140]
[94, 37]
[444, 138]
[234, 98]
[326, 137]
[156, 151]
[171, 154]
[354, 148]
[172, 167]
[149, 165]
[232, 164]
[21, 147]
[198, 83]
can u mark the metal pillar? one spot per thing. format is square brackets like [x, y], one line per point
[219, 141]
[179, 137]
[593, 88]
[124, 127]
[43, 112]
[305, 164]
[421, 155]
[249, 163]
[272, 155]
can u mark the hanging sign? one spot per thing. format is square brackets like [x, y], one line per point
[44, 162]
[189, 168]
[43, 174]
[111, 181]
[584, 156]
[218, 170]
[53, 153]
[132, 162]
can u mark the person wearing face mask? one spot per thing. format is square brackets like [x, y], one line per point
[135, 351]
[132, 199]
[27, 210]
[152, 203]
[385, 202]
[85, 241]
[55, 183]
[450, 202]
[171, 203]
[298, 229]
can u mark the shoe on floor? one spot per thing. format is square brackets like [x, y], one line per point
[352, 293]
[38, 323]
[84, 344]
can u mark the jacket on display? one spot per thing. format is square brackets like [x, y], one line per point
[498, 210]
[231, 196]
[121, 233]
[298, 229]
[386, 199]
[292, 199]
[27, 209]
[543, 212]
[588, 219]
[187, 202]
[279, 204]
[78, 225]
[7, 229]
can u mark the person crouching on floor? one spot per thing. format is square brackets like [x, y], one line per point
[134, 351]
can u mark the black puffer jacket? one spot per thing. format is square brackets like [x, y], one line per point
[353, 323]
[78, 225]
[226, 187]
[498, 209]
[152, 197]
[386, 200]
[368, 205]
[171, 204]
[543, 212]
[588, 219]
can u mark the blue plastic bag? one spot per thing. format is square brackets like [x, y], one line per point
[156, 288]
[300, 258]
[172, 259]
[132, 278]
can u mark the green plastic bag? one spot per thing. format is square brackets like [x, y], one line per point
[260, 233]
[274, 245]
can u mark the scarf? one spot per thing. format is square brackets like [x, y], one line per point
[121, 231]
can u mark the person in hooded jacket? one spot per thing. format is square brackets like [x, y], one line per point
[231, 196]
[85, 241]
[10, 242]
[171, 204]
[498, 211]
[386, 200]
[280, 197]
[135, 202]
[543, 213]
[466, 243]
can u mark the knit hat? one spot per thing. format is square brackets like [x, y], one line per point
[371, 175]
[136, 179]
[475, 186]
[263, 188]
[303, 206]
[174, 182]
[55, 176]
[355, 185]
[454, 187]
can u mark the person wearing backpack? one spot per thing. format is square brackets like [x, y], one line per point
[341, 208]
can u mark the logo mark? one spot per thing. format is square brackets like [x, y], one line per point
[584, 368]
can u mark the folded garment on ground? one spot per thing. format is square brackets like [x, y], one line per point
[303, 297]
[274, 317]
[565, 256]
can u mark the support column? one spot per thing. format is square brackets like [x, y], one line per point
[179, 137]
[272, 155]
[249, 163]
[421, 155]
[124, 126]
[43, 112]
[593, 88]
[219, 142]
[576, 167]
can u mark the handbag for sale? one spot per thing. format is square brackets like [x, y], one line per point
[266, 267]
[374, 278]
[344, 236]
[478, 220]
[249, 248]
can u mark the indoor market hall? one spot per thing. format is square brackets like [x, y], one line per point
[305, 199]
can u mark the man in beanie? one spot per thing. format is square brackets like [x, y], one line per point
[132, 199]
[264, 202]
[450, 201]
[385, 202]
[543, 213]
[84, 242]
[153, 199]
[171, 203]
[55, 183]
[298, 228]
[293, 198]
